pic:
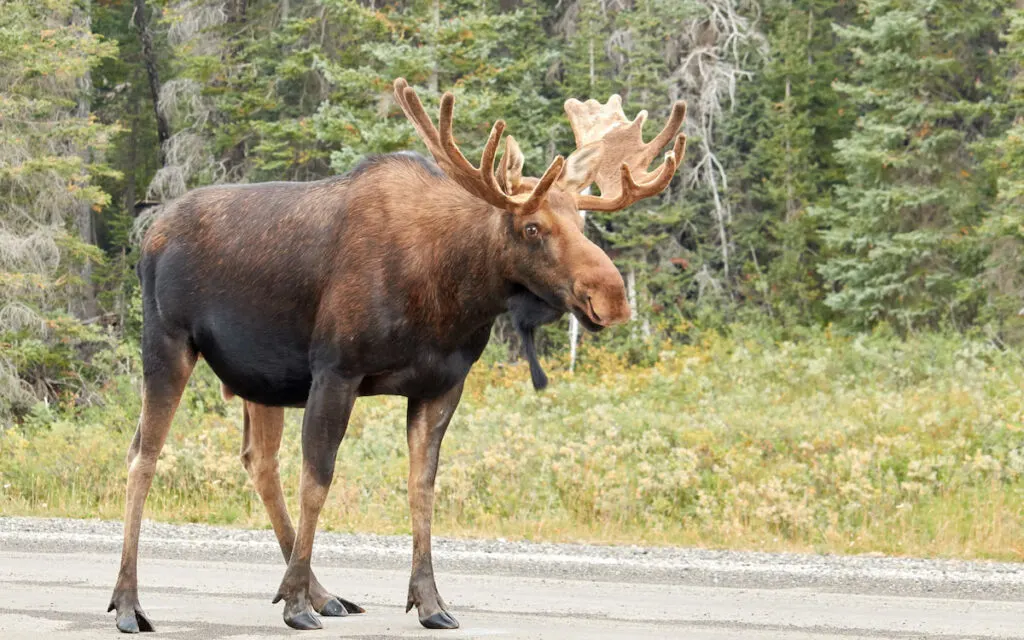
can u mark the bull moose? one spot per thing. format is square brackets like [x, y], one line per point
[385, 280]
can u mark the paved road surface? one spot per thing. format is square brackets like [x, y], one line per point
[202, 582]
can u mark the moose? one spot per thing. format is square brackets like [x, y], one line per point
[385, 280]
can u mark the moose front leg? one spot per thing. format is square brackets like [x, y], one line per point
[427, 422]
[327, 412]
[261, 440]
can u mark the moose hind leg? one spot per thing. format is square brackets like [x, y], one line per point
[427, 422]
[261, 440]
[167, 365]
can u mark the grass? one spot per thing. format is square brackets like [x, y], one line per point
[828, 443]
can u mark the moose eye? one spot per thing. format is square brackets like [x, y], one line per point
[531, 230]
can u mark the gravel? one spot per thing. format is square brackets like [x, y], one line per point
[651, 565]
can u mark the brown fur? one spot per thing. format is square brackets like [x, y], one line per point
[383, 281]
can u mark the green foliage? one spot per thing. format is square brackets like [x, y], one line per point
[826, 442]
[785, 131]
[493, 60]
[902, 234]
[50, 164]
[1003, 229]
[855, 163]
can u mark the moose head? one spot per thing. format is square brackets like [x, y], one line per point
[545, 250]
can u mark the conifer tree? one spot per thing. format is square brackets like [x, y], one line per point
[901, 235]
[51, 156]
[780, 145]
[1003, 230]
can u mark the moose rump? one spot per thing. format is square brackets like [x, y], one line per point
[230, 270]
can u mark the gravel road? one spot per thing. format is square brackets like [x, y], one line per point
[207, 582]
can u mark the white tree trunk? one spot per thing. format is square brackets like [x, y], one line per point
[631, 295]
[574, 324]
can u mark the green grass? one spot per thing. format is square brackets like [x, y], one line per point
[829, 443]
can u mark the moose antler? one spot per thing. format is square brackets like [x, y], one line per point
[479, 181]
[623, 151]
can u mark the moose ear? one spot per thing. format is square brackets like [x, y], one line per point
[510, 171]
[579, 169]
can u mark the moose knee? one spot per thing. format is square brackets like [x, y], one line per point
[257, 464]
[133, 449]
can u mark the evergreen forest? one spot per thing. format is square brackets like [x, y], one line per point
[853, 165]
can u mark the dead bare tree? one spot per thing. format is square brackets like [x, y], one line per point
[705, 61]
[141, 21]
[187, 152]
[709, 59]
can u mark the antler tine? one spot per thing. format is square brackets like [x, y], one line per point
[632, 191]
[487, 157]
[671, 127]
[480, 181]
[486, 169]
[485, 172]
[679, 148]
[413, 108]
[447, 139]
[546, 181]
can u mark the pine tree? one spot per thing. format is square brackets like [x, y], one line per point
[902, 235]
[51, 156]
[493, 60]
[1003, 229]
[780, 142]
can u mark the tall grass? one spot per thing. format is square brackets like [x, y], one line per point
[827, 443]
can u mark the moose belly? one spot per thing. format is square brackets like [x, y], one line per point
[428, 372]
[414, 381]
[286, 382]
[260, 364]
[270, 364]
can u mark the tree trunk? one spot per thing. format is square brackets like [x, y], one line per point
[574, 324]
[87, 306]
[631, 295]
[237, 10]
[790, 194]
[720, 212]
[163, 131]
[434, 82]
[130, 187]
[237, 16]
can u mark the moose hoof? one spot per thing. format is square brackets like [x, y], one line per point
[333, 609]
[133, 620]
[339, 607]
[130, 616]
[304, 621]
[440, 620]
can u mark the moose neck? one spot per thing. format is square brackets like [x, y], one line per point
[460, 262]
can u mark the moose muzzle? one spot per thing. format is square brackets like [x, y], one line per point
[600, 295]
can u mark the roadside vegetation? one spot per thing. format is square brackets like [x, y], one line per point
[827, 338]
[845, 444]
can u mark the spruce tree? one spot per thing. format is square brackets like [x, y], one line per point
[51, 156]
[901, 235]
[1003, 229]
